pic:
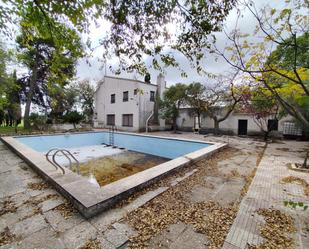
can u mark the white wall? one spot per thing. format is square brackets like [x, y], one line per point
[186, 121]
[139, 105]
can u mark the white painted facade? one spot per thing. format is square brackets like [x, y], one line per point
[186, 122]
[139, 103]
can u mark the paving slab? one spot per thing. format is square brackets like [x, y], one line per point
[28, 226]
[43, 239]
[190, 239]
[105, 244]
[79, 235]
[266, 191]
[10, 184]
[59, 223]
[168, 236]
[115, 237]
[50, 204]
[124, 228]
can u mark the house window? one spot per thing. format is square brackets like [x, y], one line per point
[113, 98]
[152, 96]
[127, 120]
[135, 91]
[272, 124]
[125, 96]
[110, 119]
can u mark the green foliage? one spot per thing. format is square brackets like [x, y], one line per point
[138, 27]
[174, 97]
[294, 205]
[195, 97]
[50, 58]
[278, 60]
[284, 55]
[62, 100]
[86, 98]
[38, 121]
[73, 117]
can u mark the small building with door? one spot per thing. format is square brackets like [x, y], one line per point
[128, 104]
[238, 123]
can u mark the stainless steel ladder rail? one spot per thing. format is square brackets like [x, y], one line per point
[111, 135]
[54, 164]
[67, 154]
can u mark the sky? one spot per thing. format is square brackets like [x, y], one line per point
[93, 67]
[96, 71]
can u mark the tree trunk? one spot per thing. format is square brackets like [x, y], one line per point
[30, 93]
[174, 124]
[216, 126]
[27, 110]
[266, 133]
[199, 120]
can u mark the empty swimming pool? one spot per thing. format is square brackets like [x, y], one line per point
[158, 146]
[170, 153]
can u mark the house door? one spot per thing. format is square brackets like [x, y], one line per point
[242, 126]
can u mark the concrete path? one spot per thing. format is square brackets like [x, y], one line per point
[266, 191]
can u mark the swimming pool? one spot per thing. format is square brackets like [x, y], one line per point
[158, 146]
[91, 199]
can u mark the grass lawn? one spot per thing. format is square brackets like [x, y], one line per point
[8, 130]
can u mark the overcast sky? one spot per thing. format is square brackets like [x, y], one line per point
[95, 72]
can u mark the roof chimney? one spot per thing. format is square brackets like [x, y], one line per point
[161, 84]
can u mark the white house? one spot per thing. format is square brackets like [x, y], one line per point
[127, 104]
[238, 123]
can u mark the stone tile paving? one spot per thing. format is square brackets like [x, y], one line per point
[222, 184]
[37, 223]
[266, 191]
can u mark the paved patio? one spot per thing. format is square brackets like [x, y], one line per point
[33, 215]
[266, 192]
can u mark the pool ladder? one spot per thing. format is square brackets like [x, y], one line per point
[111, 132]
[64, 152]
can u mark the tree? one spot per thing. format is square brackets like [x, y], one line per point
[174, 97]
[262, 105]
[86, 97]
[49, 58]
[10, 110]
[195, 97]
[73, 117]
[61, 100]
[221, 99]
[3, 82]
[279, 59]
[13, 105]
[138, 28]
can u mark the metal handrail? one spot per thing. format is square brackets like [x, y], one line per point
[65, 153]
[56, 165]
[147, 121]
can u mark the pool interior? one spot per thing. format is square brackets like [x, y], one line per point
[103, 163]
[104, 170]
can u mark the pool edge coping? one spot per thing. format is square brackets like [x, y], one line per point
[96, 199]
